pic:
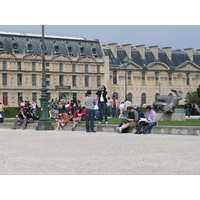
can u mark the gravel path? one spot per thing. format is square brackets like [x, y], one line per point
[30, 152]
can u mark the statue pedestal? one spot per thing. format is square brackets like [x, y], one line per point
[177, 115]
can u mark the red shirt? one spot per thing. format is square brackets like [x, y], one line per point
[83, 113]
[75, 114]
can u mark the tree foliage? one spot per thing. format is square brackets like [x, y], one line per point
[194, 96]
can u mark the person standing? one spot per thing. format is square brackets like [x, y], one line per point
[1, 112]
[151, 120]
[102, 100]
[114, 107]
[109, 108]
[188, 107]
[126, 105]
[34, 109]
[89, 103]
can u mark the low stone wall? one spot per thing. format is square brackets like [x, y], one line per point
[173, 130]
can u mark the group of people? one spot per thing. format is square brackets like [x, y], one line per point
[191, 109]
[136, 119]
[27, 113]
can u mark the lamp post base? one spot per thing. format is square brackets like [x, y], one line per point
[44, 126]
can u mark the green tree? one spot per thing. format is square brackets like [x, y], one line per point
[198, 91]
[194, 97]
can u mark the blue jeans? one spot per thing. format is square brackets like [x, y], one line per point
[102, 111]
[89, 119]
[187, 112]
[114, 112]
[126, 113]
[148, 126]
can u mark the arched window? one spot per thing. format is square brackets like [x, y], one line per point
[116, 95]
[143, 98]
[130, 97]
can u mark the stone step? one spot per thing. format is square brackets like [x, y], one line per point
[173, 130]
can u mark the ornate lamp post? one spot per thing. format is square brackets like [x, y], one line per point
[44, 121]
[125, 61]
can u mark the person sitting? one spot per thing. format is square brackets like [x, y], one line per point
[22, 118]
[76, 118]
[130, 123]
[62, 121]
[151, 119]
[83, 114]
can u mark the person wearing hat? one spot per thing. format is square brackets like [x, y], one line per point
[131, 121]
[151, 119]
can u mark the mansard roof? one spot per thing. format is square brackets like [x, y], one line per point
[178, 57]
[54, 45]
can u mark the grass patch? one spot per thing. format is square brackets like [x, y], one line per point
[187, 122]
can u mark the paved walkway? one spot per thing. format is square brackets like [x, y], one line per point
[31, 152]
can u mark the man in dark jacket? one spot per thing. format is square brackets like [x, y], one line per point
[22, 118]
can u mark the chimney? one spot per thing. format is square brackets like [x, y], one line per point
[141, 49]
[168, 51]
[189, 52]
[154, 50]
[113, 48]
[127, 49]
[198, 51]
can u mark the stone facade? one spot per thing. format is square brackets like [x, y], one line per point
[70, 73]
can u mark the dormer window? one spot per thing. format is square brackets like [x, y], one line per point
[30, 48]
[1, 46]
[15, 47]
[69, 49]
[56, 49]
[94, 52]
[82, 51]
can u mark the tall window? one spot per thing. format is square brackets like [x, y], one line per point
[47, 66]
[33, 66]
[98, 69]
[143, 98]
[74, 80]
[48, 79]
[5, 98]
[19, 97]
[98, 81]
[116, 95]
[60, 67]
[130, 97]
[4, 79]
[86, 68]
[143, 78]
[34, 96]
[114, 77]
[170, 78]
[33, 79]
[19, 79]
[73, 67]
[4, 65]
[129, 77]
[86, 81]
[19, 66]
[74, 96]
[157, 78]
[61, 83]
[188, 78]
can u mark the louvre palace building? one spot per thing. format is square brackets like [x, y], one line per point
[74, 65]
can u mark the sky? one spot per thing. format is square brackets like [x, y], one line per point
[175, 36]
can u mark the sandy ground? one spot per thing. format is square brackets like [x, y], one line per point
[30, 152]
